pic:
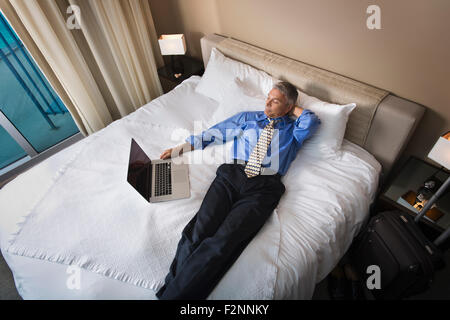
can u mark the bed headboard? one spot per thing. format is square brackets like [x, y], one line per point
[381, 123]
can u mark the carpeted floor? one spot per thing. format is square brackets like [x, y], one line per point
[7, 287]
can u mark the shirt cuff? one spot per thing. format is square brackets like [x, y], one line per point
[196, 142]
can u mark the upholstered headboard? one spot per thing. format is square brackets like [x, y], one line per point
[381, 123]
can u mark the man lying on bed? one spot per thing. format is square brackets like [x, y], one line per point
[243, 194]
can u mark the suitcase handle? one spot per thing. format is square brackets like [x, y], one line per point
[430, 202]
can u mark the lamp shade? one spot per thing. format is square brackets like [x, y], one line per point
[441, 151]
[172, 44]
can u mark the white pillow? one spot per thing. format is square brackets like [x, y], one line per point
[327, 140]
[236, 97]
[221, 71]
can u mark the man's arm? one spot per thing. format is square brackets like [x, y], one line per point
[304, 126]
[176, 151]
[220, 132]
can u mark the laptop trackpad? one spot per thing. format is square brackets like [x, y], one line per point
[179, 176]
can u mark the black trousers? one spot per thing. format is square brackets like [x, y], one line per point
[233, 211]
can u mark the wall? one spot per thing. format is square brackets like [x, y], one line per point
[408, 56]
[194, 18]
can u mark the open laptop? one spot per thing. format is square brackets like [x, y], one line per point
[157, 180]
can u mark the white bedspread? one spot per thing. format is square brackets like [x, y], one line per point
[86, 214]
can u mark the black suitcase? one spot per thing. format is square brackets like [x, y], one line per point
[405, 258]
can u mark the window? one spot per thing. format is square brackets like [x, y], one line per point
[33, 119]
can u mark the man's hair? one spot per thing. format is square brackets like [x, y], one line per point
[288, 90]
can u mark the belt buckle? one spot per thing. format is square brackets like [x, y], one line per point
[267, 171]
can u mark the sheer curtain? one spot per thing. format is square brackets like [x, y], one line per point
[99, 55]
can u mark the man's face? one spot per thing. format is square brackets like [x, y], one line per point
[276, 104]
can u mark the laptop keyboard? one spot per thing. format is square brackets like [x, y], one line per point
[163, 179]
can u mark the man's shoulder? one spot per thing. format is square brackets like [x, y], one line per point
[248, 115]
[253, 114]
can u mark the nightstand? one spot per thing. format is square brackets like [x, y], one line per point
[401, 192]
[192, 67]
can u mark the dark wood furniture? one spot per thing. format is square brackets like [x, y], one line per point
[190, 65]
[407, 183]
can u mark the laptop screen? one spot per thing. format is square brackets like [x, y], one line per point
[139, 170]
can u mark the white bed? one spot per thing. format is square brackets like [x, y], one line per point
[76, 208]
[307, 234]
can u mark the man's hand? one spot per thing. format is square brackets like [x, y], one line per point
[176, 151]
[296, 111]
[167, 154]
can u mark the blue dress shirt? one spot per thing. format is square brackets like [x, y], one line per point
[245, 127]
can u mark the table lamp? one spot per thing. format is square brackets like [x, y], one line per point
[173, 45]
[441, 154]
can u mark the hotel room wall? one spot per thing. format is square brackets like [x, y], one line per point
[408, 56]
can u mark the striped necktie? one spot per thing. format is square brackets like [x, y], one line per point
[253, 167]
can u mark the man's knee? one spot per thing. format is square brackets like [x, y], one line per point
[221, 169]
